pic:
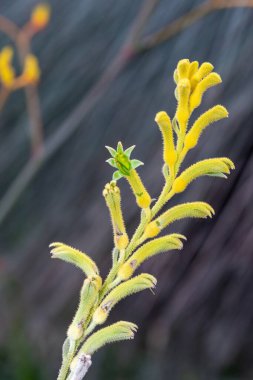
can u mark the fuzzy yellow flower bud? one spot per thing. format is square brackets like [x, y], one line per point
[7, 73]
[209, 81]
[31, 73]
[40, 16]
[205, 69]
[152, 230]
[100, 315]
[127, 270]
[217, 167]
[185, 210]
[175, 76]
[136, 284]
[148, 250]
[75, 332]
[182, 114]
[112, 197]
[213, 114]
[117, 331]
[143, 198]
[97, 281]
[193, 69]
[88, 297]
[74, 256]
[183, 67]
[169, 152]
[179, 185]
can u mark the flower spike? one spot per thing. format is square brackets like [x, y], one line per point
[98, 297]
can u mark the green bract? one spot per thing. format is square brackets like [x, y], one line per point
[121, 160]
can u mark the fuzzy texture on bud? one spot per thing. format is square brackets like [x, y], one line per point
[143, 198]
[216, 167]
[182, 114]
[112, 197]
[212, 115]
[135, 285]
[209, 81]
[88, 298]
[74, 256]
[169, 152]
[185, 210]
[148, 250]
[205, 69]
[116, 332]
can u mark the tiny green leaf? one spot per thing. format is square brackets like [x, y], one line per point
[120, 148]
[111, 151]
[136, 163]
[117, 175]
[129, 150]
[111, 162]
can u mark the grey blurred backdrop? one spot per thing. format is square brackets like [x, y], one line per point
[199, 323]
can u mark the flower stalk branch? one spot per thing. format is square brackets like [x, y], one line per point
[85, 334]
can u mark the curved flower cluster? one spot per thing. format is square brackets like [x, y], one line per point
[98, 297]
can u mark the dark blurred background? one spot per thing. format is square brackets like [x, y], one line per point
[199, 324]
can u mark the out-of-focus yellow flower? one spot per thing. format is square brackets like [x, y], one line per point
[31, 73]
[40, 16]
[7, 73]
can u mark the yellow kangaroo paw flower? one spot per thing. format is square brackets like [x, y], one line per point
[148, 250]
[74, 256]
[213, 114]
[112, 197]
[135, 285]
[117, 331]
[209, 81]
[169, 151]
[185, 210]
[205, 69]
[217, 167]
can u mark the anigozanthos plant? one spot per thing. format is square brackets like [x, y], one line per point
[98, 297]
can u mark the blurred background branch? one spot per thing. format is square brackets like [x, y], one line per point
[188, 19]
